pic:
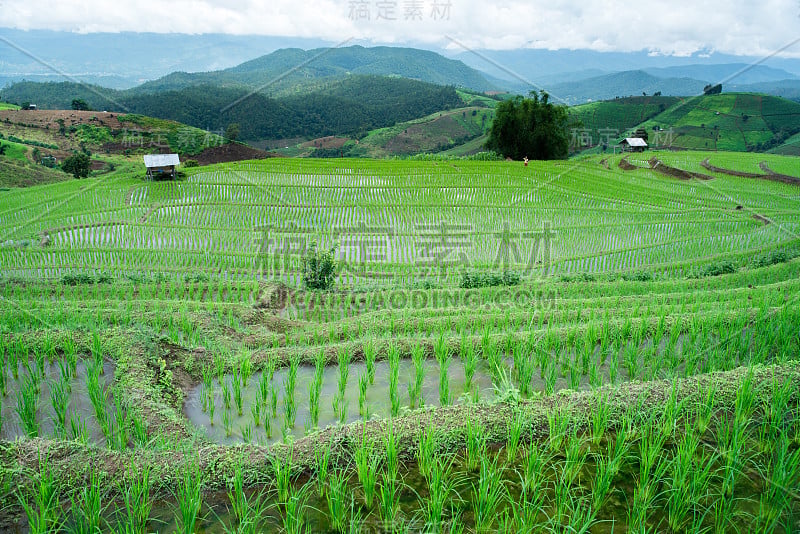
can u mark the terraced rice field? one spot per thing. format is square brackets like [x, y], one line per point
[563, 347]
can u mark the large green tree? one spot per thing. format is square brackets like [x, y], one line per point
[77, 165]
[530, 127]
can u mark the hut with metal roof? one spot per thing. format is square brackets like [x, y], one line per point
[161, 165]
[633, 144]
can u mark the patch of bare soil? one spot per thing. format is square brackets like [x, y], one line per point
[658, 166]
[625, 165]
[229, 152]
[48, 119]
[769, 173]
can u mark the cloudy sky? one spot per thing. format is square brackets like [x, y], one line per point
[677, 27]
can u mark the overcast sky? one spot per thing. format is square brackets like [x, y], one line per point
[680, 27]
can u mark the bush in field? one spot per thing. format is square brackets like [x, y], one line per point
[319, 269]
[190, 163]
[77, 165]
[714, 269]
[474, 280]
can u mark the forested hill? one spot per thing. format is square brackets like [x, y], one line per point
[293, 70]
[350, 106]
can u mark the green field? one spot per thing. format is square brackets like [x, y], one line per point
[559, 347]
[729, 121]
[5, 105]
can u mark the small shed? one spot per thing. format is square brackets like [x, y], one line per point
[633, 144]
[161, 165]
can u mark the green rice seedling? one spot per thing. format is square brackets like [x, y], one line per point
[227, 423]
[264, 386]
[282, 469]
[440, 490]
[237, 392]
[389, 501]
[59, 399]
[600, 418]
[71, 354]
[219, 368]
[41, 364]
[745, 399]
[340, 501]
[550, 378]
[444, 380]
[415, 386]
[576, 454]
[488, 495]
[470, 361]
[42, 509]
[138, 426]
[370, 353]
[226, 395]
[255, 410]
[211, 407]
[87, 509]
[367, 466]
[294, 511]
[688, 481]
[574, 376]
[78, 431]
[136, 496]
[248, 511]
[775, 502]
[524, 366]
[189, 499]
[245, 367]
[119, 440]
[340, 405]
[322, 460]
[559, 423]
[363, 384]
[630, 360]
[515, 427]
[394, 377]
[268, 425]
[344, 370]
[427, 450]
[289, 405]
[247, 433]
[704, 409]
[476, 444]
[607, 467]
[273, 402]
[27, 406]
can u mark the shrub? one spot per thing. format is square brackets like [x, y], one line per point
[319, 268]
[189, 163]
[473, 280]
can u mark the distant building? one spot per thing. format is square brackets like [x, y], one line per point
[633, 144]
[161, 165]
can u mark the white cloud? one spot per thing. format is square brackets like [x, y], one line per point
[679, 27]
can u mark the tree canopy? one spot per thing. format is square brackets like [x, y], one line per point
[77, 165]
[530, 127]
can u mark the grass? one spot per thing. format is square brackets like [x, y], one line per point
[673, 327]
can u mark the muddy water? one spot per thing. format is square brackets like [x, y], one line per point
[79, 403]
[377, 399]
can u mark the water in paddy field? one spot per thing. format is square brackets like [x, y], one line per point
[378, 403]
[79, 407]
